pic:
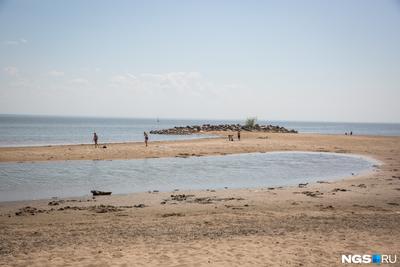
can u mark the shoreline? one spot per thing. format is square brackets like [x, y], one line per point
[115, 143]
[132, 195]
[193, 137]
[251, 142]
[288, 226]
[221, 135]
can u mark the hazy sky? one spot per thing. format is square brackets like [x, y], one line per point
[281, 60]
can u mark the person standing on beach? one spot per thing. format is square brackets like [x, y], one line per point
[238, 135]
[146, 138]
[95, 139]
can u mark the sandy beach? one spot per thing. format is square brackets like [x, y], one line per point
[280, 226]
[199, 133]
[251, 142]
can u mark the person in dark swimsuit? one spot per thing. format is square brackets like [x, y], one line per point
[95, 139]
[146, 138]
[238, 135]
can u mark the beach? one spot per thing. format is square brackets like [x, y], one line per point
[278, 226]
[199, 133]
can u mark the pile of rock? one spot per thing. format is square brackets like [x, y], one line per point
[222, 127]
[28, 211]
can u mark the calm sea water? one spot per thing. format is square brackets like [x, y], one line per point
[50, 130]
[24, 181]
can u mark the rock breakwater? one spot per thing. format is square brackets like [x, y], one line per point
[187, 130]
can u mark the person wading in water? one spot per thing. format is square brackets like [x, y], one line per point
[95, 139]
[146, 138]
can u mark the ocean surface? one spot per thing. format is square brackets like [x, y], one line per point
[23, 130]
[41, 180]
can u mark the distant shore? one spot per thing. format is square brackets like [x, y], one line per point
[278, 226]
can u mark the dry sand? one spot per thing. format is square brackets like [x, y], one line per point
[287, 226]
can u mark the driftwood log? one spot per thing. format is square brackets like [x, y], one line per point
[100, 193]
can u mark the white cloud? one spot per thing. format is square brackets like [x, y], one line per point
[171, 94]
[172, 82]
[55, 73]
[9, 42]
[11, 71]
[80, 81]
[122, 80]
[15, 42]
[174, 94]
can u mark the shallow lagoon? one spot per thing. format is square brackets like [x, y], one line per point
[25, 181]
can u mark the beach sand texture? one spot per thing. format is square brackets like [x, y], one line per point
[289, 226]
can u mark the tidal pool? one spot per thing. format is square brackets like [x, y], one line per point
[40, 180]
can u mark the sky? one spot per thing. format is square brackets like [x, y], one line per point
[206, 59]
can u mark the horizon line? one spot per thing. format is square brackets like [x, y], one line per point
[199, 119]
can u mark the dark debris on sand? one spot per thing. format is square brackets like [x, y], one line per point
[95, 208]
[199, 200]
[28, 211]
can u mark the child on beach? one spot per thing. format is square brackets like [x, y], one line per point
[238, 135]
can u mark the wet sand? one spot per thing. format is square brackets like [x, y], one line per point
[289, 226]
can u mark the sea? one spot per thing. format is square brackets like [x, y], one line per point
[32, 130]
